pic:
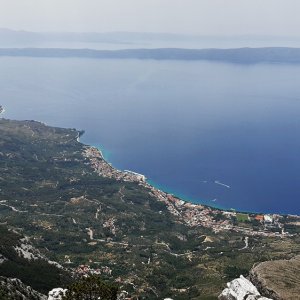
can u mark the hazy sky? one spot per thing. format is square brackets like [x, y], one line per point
[209, 17]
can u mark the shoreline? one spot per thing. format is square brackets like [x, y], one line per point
[191, 214]
[106, 154]
[157, 186]
[186, 212]
[185, 197]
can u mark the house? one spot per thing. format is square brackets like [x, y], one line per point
[259, 218]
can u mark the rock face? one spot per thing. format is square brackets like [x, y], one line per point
[20, 259]
[241, 289]
[279, 280]
[12, 288]
[56, 294]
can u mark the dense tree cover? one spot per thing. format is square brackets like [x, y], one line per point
[37, 273]
[91, 288]
[4, 295]
[233, 272]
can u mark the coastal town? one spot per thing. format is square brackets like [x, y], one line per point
[249, 224]
[97, 220]
[105, 169]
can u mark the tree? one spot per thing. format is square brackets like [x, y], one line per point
[91, 288]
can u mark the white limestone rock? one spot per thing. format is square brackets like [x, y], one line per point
[56, 294]
[241, 289]
[2, 259]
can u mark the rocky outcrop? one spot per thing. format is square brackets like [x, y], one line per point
[241, 289]
[12, 288]
[279, 280]
[56, 294]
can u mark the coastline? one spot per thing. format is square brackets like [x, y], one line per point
[217, 219]
[186, 212]
[209, 203]
[106, 155]
[183, 196]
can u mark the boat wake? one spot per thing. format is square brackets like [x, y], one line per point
[222, 184]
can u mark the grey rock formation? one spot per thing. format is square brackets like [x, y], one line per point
[56, 294]
[279, 280]
[13, 288]
[241, 289]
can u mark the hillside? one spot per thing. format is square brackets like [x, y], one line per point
[91, 218]
[278, 279]
[19, 259]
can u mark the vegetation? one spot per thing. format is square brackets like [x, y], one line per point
[36, 272]
[50, 193]
[4, 295]
[91, 288]
[242, 217]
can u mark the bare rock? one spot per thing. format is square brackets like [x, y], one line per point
[279, 280]
[241, 289]
[56, 294]
[14, 288]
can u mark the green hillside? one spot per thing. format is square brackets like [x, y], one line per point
[78, 210]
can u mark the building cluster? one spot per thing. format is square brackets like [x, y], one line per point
[86, 270]
[105, 169]
[110, 224]
[200, 215]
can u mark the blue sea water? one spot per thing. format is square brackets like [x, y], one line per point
[213, 133]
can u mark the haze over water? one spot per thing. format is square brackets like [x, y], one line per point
[214, 133]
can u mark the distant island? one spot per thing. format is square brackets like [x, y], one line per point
[239, 55]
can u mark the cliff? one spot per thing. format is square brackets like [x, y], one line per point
[13, 288]
[279, 280]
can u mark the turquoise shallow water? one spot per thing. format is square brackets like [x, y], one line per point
[106, 154]
[185, 125]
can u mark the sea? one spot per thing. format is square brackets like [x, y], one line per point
[225, 135]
